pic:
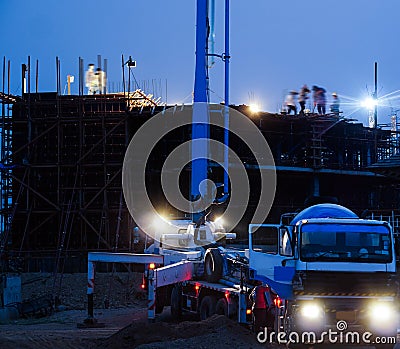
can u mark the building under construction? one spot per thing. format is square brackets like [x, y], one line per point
[61, 167]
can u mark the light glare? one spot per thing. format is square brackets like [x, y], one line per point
[370, 103]
[219, 220]
[381, 312]
[254, 108]
[311, 311]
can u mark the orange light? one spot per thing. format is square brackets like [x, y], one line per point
[278, 302]
[143, 286]
[226, 294]
[152, 266]
[248, 311]
[197, 287]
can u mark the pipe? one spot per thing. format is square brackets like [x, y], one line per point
[200, 118]
[8, 79]
[29, 75]
[376, 96]
[226, 107]
[212, 32]
[37, 76]
[105, 74]
[23, 82]
[226, 57]
[123, 73]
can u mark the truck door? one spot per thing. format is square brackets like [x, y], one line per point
[269, 246]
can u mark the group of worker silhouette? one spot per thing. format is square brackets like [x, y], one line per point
[319, 101]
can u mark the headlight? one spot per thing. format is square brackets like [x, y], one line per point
[381, 312]
[311, 311]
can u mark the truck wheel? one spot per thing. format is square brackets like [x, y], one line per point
[222, 307]
[176, 307]
[213, 265]
[207, 307]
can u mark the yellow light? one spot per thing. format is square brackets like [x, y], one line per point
[248, 311]
[152, 266]
[311, 311]
[382, 312]
[254, 108]
[163, 217]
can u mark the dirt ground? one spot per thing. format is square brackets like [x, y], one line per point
[215, 332]
[113, 290]
[120, 306]
[125, 321]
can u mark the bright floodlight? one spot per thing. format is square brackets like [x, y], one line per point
[382, 312]
[370, 103]
[311, 311]
[219, 220]
[254, 108]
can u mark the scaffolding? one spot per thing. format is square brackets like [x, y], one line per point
[61, 172]
[62, 156]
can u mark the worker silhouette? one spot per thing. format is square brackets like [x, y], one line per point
[319, 99]
[335, 104]
[261, 308]
[290, 102]
[303, 96]
[89, 79]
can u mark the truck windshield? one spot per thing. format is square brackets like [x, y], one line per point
[345, 243]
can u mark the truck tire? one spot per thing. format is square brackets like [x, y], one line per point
[213, 265]
[176, 306]
[222, 307]
[207, 307]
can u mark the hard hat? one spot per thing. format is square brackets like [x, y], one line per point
[334, 94]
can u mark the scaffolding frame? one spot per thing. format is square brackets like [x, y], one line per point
[62, 156]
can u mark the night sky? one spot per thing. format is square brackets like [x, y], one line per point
[276, 46]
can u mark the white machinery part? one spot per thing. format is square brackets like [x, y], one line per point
[184, 235]
[170, 274]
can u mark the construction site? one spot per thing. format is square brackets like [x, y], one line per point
[79, 268]
[61, 183]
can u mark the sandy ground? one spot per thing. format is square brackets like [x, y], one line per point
[125, 322]
[60, 330]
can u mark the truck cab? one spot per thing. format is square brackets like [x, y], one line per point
[330, 267]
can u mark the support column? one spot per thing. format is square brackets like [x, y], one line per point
[151, 304]
[90, 289]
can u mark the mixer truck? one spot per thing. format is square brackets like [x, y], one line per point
[335, 273]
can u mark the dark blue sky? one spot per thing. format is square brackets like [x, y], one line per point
[276, 46]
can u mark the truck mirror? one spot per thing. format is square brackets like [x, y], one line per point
[285, 242]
